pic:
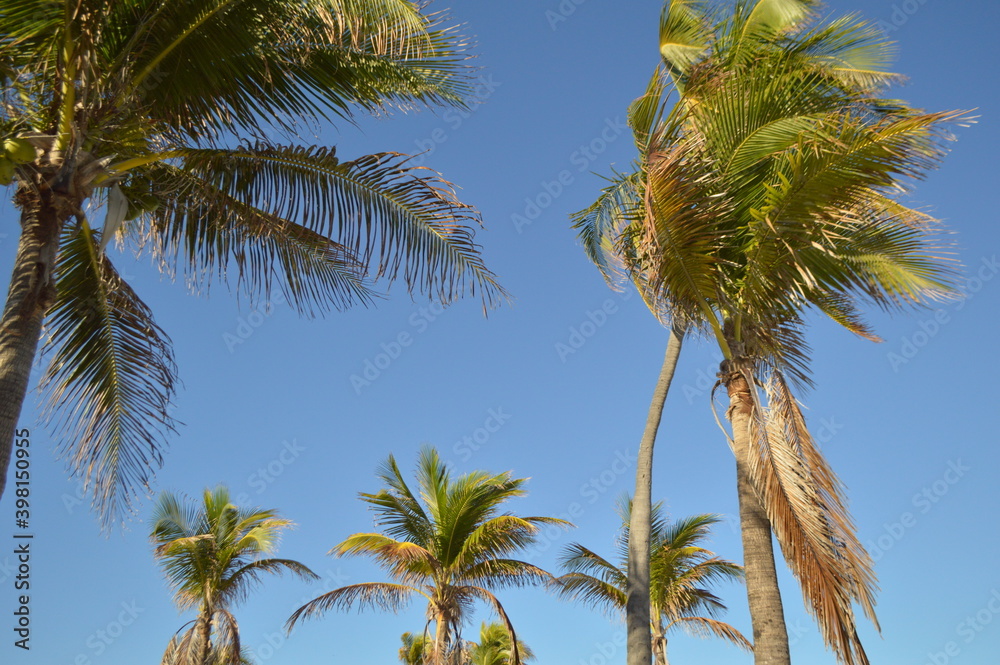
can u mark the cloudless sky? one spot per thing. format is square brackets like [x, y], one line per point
[555, 387]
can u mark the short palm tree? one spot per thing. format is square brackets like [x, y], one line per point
[416, 648]
[452, 546]
[493, 648]
[213, 556]
[681, 573]
[180, 118]
[769, 188]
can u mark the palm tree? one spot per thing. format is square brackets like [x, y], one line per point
[771, 187]
[416, 649]
[494, 647]
[181, 119]
[213, 555]
[452, 546]
[680, 573]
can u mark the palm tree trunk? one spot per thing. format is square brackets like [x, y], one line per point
[32, 290]
[440, 636]
[660, 648]
[637, 588]
[770, 637]
[205, 637]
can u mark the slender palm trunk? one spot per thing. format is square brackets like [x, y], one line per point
[770, 637]
[637, 589]
[204, 637]
[31, 292]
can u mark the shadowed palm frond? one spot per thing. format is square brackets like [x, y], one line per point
[704, 627]
[394, 219]
[369, 595]
[111, 378]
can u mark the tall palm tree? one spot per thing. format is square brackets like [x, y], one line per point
[180, 118]
[213, 556]
[770, 187]
[681, 572]
[452, 546]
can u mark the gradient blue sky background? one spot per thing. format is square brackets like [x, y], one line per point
[895, 431]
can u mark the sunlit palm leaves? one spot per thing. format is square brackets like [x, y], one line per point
[213, 556]
[448, 542]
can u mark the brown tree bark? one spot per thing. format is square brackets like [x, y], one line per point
[639, 644]
[32, 291]
[770, 637]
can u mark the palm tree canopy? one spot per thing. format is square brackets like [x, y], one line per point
[180, 118]
[771, 186]
[681, 574]
[449, 541]
[213, 555]
[217, 551]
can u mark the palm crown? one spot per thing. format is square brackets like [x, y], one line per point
[161, 111]
[213, 556]
[681, 573]
[452, 546]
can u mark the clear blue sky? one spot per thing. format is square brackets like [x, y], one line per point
[914, 439]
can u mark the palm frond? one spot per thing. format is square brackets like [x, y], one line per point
[704, 627]
[804, 501]
[397, 220]
[369, 595]
[111, 377]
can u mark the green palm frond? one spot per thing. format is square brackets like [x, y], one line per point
[241, 582]
[111, 378]
[246, 64]
[395, 219]
[685, 34]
